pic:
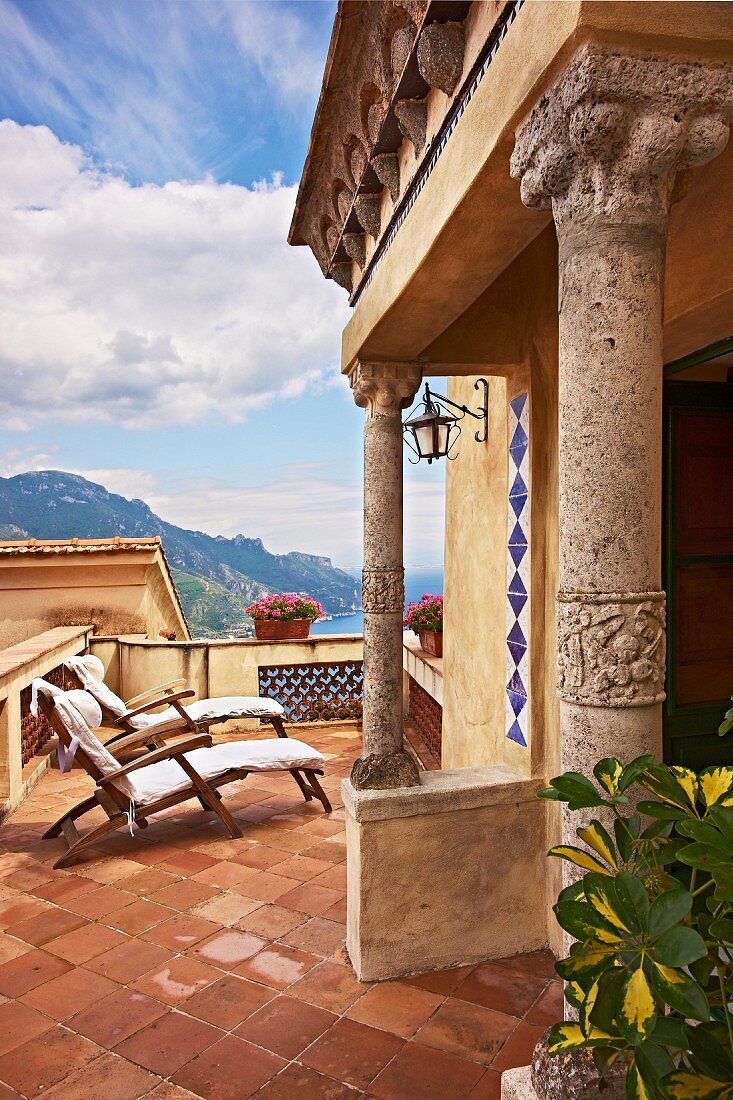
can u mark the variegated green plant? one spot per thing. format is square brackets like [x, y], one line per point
[651, 971]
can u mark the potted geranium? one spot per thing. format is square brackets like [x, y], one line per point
[425, 618]
[284, 615]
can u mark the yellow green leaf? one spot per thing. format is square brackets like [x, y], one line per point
[672, 977]
[638, 1009]
[604, 905]
[637, 1090]
[579, 857]
[588, 1006]
[565, 1037]
[687, 779]
[689, 1086]
[715, 783]
[608, 774]
[595, 837]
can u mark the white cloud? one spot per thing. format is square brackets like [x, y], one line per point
[19, 460]
[149, 305]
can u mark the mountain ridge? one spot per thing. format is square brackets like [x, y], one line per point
[217, 576]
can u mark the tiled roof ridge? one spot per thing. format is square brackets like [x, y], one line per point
[58, 546]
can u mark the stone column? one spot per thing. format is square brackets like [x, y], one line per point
[383, 389]
[608, 149]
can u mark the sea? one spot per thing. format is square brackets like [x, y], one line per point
[417, 583]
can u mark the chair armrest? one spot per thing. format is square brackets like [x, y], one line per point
[138, 740]
[164, 689]
[174, 696]
[168, 752]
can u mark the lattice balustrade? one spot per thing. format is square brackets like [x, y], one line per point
[426, 718]
[317, 692]
[36, 732]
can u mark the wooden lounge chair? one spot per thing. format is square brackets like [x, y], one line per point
[188, 768]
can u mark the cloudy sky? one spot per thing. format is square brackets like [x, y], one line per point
[158, 334]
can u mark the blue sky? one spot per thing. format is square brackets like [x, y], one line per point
[160, 336]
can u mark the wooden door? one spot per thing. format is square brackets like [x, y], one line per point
[698, 567]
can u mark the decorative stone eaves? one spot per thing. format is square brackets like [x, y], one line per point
[384, 388]
[615, 137]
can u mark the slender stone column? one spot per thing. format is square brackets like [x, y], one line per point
[383, 389]
[608, 149]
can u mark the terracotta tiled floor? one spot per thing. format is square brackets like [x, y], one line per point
[177, 962]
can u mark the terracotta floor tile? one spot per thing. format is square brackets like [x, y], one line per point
[144, 883]
[36, 1065]
[20, 908]
[310, 899]
[271, 921]
[395, 1007]
[70, 993]
[517, 1051]
[46, 926]
[229, 1070]
[226, 909]
[228, 948]
[467, 1030]
[27, 878]
[328, 852]
[337, 912]
[116, 867]
[181, 931]
[129, 960]
[116, 1017]
[63, 887]
[303, 868]
[110, 1077]
[300, 1083]
[282, 839]
[29, 970]
[168, 1043]
[168, 1091]
[223, 875]
[440, 981]
[502, 989]
[352, 1053]
[489, 1087]
[334, 877]
[265, 886]
[19, 1023]
[100, 903]
[278, 966]
[10, 948]
[538, 964]
[319, 936]
[329, 985]
[84, 943]
[177, 979]
[139, 917]
[260, 857]
[429, 1074]
[549, 1008]
[286, 1026]
[183, 895]
[227, 1002]
[187, 862]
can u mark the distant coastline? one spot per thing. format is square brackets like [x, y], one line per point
[417, 582]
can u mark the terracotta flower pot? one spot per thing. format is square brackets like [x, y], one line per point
[431, 642]
[280, 630]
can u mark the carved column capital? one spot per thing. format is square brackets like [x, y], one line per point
[611, 648]
[384, 389]
[615, 137]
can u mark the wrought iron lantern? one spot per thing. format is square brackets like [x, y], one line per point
[433, 428]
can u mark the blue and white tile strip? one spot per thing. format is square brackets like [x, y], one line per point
[518, 575]
[426, 168]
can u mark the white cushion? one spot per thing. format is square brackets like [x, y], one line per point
[274, 754]
[96, 685]
[79, 711]
[220, 710]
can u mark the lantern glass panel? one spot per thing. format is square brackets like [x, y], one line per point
[424, 437]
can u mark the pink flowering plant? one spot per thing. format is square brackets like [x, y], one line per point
[426, 614]
[284, 606]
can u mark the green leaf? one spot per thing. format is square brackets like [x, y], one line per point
[675, 786]
[684, 1085]
[661, 810]
[632, 896]
[550, 794]
[722, 929]
[624, 840]
[636, 1086]
[577, 791]
[653, 1063]
[702, 856]
[723, 877]
[705, 833]
[679, 947]
[573, 892]
[579, 857]
[668, 909]
[680, 992]
[706, 1043]
[722, 817]
[584, 923]
[669, 1031]
[565, 1036]
[601, 892]
[608, 772]
[633, 770]
[586, 962]
[603, 1013]
[637, 1010]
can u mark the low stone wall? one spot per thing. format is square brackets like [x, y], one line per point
[458, 865]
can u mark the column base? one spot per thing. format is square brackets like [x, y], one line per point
[377, 772]
[516, 1084]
